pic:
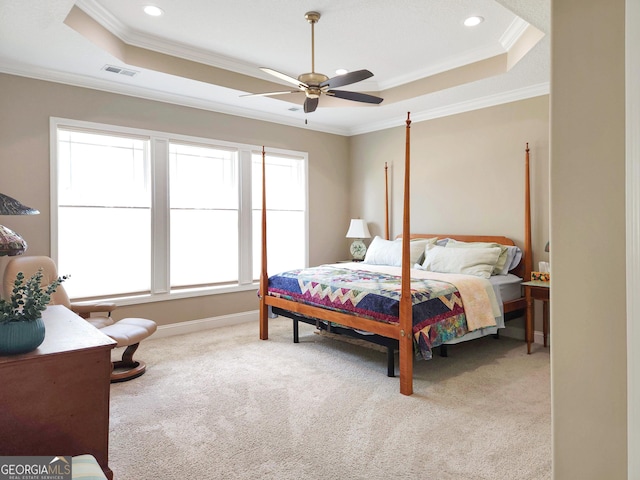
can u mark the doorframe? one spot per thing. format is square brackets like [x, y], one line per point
[632, 135]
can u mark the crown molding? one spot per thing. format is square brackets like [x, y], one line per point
[462, 107]
[513, 33]
[186, 101]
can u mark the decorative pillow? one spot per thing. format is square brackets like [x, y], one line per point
[514, 255]
[469, 261]
[502, 259]
[419, 247]
[389, 252]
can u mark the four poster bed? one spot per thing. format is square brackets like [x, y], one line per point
[406, 301]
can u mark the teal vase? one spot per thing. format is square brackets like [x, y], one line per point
[21, 337]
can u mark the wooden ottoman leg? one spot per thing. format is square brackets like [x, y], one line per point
[132, 368]
[129, 332]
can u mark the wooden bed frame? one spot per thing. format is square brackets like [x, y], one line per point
[511, 309]
[403, 331]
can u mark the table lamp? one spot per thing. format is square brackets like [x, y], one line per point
[10, 242]
[358, 230]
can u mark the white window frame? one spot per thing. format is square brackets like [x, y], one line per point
[159, 151]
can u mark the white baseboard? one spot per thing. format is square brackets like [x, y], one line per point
[518, 333]
[199, 325]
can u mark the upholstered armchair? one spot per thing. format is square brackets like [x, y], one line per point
[128, 332]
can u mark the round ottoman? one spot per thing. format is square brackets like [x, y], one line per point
[129, 332]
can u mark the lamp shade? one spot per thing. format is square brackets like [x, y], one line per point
[358, 229]
[11, 206]
[11, 243]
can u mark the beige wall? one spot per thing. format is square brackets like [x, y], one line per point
[28, 104]
[467, 174]
[588, 302]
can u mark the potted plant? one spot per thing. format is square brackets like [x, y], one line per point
[21, 325]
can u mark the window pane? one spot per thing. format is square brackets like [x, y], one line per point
[286, 204]
[104, 213]
[105, 250]
[285, 183]
[285, 241]
[102, 170]
[204, 247]
[204, 215]
[203, 177]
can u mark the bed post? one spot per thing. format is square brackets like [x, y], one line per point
[406, 310]
[264, 278]
[386, 201]
[528, 253]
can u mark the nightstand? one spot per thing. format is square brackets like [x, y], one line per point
[536, 290]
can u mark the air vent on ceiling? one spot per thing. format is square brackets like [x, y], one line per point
[120, 71]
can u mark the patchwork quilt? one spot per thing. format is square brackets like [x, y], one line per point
[438, 307]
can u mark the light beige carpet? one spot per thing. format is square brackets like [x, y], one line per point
[223, 404]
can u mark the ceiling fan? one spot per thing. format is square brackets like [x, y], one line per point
[314, 84]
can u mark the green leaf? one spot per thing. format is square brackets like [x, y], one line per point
[28, 299]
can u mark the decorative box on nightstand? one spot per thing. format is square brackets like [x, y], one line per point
[541, 276]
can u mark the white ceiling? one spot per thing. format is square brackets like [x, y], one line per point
[417, 50]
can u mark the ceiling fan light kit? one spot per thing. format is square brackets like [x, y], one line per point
[314, 84]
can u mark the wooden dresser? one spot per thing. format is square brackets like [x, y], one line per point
[55, 400]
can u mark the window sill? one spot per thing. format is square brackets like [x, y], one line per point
[173, 295]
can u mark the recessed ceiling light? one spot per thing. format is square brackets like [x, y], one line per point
[341, 71]
[473, 21]
[153, 10]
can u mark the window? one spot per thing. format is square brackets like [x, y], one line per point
[204, 215]
[149, 214]
[286, 212]
[104, 204]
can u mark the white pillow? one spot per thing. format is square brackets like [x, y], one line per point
[388, 252]
[382, 252]
[469, 261]
[502, 259]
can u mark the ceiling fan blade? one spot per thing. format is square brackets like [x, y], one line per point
[268, 94]
[285, 77]
[347, 79]
[355, 96]
[310, 105]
